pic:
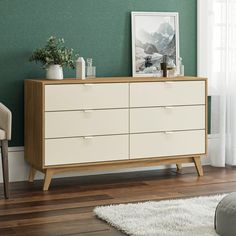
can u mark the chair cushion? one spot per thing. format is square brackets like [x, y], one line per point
[2, 134]
[5, 121]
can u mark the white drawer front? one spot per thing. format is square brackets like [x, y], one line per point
[81, 150]
[87, 122]
[167, 93]
[167, 144]
[167, 118]
[86, 96]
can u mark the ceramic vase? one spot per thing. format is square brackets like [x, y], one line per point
[54, 72]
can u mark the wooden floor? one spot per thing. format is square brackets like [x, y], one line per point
[67, 209]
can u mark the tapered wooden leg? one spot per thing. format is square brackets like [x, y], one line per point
[179, 167]
[32, 174]
[4, 153]
[198, 165]
[47, 179]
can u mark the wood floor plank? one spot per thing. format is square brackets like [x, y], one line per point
[70, 228]
[58, 201]
[45, 219]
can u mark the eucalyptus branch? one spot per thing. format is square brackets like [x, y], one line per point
[54, 53]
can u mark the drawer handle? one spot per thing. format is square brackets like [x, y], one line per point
[88, 137]
[87, 111]
[168, 132]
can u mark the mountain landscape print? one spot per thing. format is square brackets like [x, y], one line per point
[153, 36]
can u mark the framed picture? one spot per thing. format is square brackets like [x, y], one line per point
[154, 34]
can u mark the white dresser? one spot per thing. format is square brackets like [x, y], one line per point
[108, 123]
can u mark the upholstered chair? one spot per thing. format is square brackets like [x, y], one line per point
[5, 135]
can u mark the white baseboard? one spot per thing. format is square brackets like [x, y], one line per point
[19, 169]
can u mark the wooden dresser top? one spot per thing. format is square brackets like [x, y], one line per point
[117, 80]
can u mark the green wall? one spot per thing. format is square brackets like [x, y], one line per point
[95, 28]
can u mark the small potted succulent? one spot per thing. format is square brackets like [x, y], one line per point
[54, 56]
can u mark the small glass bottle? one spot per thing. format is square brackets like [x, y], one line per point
[171, 68]
[181, 67]
[91, 70]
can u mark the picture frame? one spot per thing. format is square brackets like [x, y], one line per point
[154, 34]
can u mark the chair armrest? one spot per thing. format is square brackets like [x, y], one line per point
[5, 120]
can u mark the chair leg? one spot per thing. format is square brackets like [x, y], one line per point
[4, 152]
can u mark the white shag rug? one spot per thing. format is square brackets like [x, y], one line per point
[181, 217]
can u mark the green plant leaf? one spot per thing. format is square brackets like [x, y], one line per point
[54, 52]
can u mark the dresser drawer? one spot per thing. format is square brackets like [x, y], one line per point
[86, 96]
[167, 118]
[167, 144]
[87, 122]
[167, 93]
[85, 150]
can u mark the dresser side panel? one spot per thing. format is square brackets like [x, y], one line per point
[34, 121]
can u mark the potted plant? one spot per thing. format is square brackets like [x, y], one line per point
[54, 56]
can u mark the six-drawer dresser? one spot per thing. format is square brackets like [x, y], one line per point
[119, 122]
